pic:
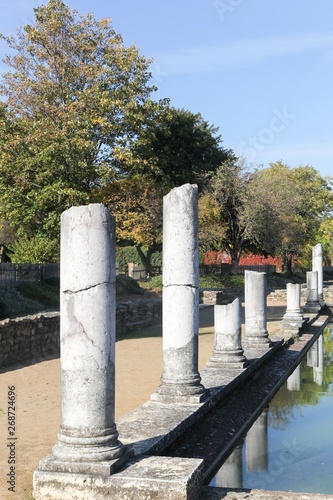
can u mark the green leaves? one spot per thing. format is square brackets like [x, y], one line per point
[72, 96]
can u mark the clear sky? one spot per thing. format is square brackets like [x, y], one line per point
[260, 70]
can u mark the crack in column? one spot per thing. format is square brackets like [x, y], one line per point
[90, 287]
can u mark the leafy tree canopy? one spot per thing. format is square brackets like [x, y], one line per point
[277, 210]
[136, 202]
[287, 207]
[72, 96]
[176, 146]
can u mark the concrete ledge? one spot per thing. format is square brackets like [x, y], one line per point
[165, 478]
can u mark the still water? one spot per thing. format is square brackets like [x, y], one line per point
[290, 446]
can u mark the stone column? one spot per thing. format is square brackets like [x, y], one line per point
[88, 439]
[228, 352]
[312, 302]
[180, 381]
[256, 334]
[292, 320]
[317, 265]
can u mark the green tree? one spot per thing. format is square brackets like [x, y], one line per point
[285, 208]
[228, 188]
[276, 211]
[173, 147]
[136, 202]
[74, 96]
[176, 146]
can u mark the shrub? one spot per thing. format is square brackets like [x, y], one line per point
[34, 250]
[126, 285]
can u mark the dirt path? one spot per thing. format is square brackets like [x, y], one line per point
[138, 371]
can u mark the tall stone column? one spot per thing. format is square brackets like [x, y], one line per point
[312, 301]
[292, 320]
[317, 265]
[88, 439]
[256, 334]
[228, 352]
[180, 381]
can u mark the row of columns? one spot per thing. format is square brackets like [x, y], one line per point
[293, 319]
[87, 434]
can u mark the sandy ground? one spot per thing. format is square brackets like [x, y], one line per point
[37, 388]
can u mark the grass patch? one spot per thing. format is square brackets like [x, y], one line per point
[46, 292]
[15, 304]
[208, 281]
[153, 284]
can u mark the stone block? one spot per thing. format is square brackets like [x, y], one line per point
[148, 478]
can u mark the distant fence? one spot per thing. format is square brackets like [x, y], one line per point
[14, 274]
[226, 268]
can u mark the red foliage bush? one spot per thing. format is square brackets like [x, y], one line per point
[251, 259]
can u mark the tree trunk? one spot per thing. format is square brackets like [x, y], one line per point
[235, 256]
[145, 259]
[287, 262]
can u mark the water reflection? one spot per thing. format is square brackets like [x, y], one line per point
[290, 446]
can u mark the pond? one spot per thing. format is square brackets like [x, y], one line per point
[290, 446]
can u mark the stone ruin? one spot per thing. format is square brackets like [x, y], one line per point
[89, 461]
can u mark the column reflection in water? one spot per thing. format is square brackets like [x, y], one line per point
[257, 445]
[318, 371]
[294, 382]
[312, 356]
[230, 475]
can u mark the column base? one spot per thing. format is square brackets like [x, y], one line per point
[312, 307]
[180, 393]
[292, 323]
[227, 359]
[100, 469]
[88, 450]
[253, 341]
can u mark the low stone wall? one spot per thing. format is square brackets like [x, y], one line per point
[135, 314]
[36, 336]
[29, 337]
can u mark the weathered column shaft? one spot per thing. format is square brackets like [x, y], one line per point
[312, 300]
[293, 299]
[293, 318]
[87, 336]
[317, 265]
[256, 334]
[228, 350]
[180, 379]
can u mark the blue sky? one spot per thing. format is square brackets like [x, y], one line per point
[260, 70]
